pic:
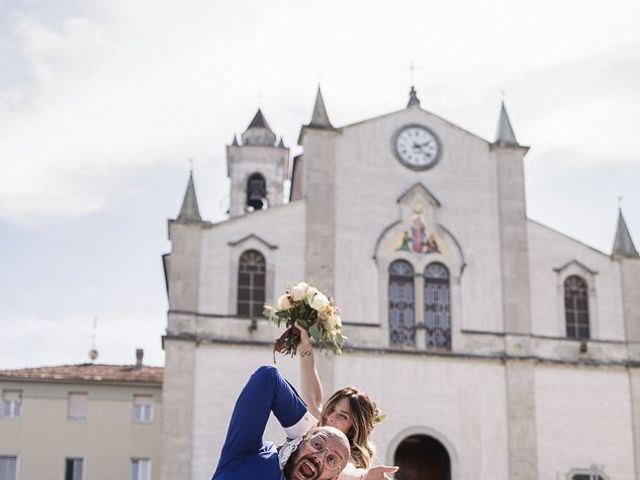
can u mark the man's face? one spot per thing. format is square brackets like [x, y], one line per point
[322, 454]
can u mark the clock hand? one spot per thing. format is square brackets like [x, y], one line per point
[417, 146]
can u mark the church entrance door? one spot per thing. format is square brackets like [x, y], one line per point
[421, 457]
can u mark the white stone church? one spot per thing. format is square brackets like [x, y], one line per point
[497, 347]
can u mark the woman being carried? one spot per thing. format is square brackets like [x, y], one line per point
[348, 410]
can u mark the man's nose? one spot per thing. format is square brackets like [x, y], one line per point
[319, 455]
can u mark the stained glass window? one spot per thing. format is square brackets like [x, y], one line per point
[401, 304]
[251, 284]
[576, 307]
[437, 306]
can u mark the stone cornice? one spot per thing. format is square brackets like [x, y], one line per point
[499, 357]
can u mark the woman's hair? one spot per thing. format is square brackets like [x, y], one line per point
[363, 416]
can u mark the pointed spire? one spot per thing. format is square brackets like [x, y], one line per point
[234, 143]
[505, 135]
[281, 144]
[259, 132]
[413, 98]
[623, 244]
[189, 211]
[259, 121]
[319, 117]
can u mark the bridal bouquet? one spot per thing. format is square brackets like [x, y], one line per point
[311, 310]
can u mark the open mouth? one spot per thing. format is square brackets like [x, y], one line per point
[307, 469]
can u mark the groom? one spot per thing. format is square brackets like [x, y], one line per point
[321, 454]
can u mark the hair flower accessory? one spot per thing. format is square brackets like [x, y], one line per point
[379, 416]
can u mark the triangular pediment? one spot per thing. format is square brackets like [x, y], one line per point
[253, 236]
[575, 263]
[430, 119]
[418, 190]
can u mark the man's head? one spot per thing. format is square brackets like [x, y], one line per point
[322, 455]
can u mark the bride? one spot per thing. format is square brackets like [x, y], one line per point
[349, 410]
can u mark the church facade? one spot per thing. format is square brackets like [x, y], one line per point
[497, 347]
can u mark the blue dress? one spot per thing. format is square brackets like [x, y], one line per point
[245, 455]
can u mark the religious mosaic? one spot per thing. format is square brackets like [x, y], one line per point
[419, 236]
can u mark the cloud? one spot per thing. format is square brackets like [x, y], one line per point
[93, 89]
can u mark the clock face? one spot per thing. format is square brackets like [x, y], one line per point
[417, 147]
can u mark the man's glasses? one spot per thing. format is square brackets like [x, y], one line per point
[332, 460]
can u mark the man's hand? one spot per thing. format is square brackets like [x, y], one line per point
[379, 472]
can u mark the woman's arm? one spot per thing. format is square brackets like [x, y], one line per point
[310, 386]
[350, 472]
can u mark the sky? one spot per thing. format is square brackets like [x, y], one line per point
[104, 103]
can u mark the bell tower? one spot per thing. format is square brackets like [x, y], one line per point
[257, 168]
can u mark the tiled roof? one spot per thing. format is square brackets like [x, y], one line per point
[88, 372]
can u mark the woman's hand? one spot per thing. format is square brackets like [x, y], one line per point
[305, 341]
[379, 472]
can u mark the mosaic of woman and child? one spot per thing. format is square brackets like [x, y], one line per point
[418, 238]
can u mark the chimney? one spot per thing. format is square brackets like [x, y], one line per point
[139, 355]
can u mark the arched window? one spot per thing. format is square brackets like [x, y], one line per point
[251, 284]
[437, 307]
[256, 192]
[592, 473]
[576, 307]
[401, 304]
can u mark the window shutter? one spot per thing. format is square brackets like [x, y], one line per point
[77, 405]
[11, 395]
[142, 408]
[11, 402]
[8, 468]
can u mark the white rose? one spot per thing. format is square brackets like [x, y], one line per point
[338, 320]
[284, 303]
[319, 302]
[299, 291]
[311, 292]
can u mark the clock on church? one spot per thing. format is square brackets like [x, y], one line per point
[416, 147]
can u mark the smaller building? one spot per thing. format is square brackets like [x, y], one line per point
[76, 422]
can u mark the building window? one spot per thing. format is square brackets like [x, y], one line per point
[251, 284]
[437, 307]
[401, 304]
[140, 469]
[11, 403]
[73, 469]
[256, 192]
[576, 307]
[592, 473]
[77, 407]
[143, 408]
[8, 467]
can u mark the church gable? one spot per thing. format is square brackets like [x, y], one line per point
[426, 115]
